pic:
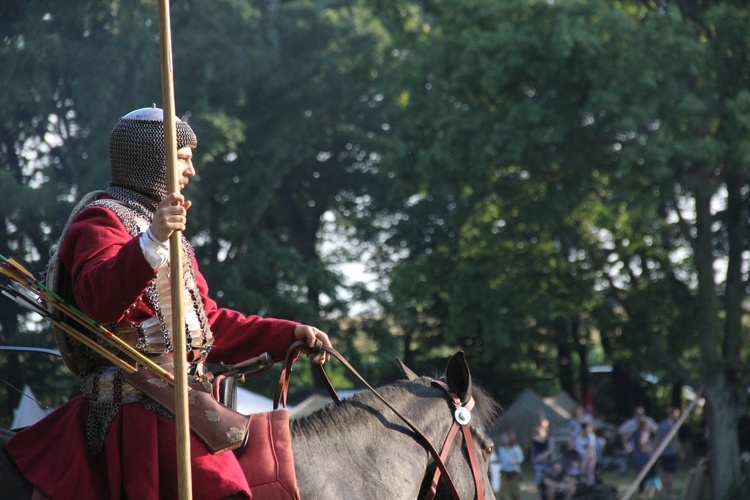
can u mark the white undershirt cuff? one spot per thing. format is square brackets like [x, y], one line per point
[155, 251]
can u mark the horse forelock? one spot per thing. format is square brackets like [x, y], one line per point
[487, 408]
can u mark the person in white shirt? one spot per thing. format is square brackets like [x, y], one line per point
[511, 458]
[628, 428]
[585, 446]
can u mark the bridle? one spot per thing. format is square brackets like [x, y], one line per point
[461, 418]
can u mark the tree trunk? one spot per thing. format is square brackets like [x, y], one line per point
[677, 399]
[723, 403]
[723, 438]
[582, 350]
[564, 351]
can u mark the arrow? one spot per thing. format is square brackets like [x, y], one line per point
[39, 292]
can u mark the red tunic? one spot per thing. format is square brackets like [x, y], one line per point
[110, 275]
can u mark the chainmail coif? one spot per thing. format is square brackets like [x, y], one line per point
[138, 158]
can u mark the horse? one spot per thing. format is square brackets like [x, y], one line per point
[359, 448]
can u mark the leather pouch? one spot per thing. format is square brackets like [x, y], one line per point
[218, 427]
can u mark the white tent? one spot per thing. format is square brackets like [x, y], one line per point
[563, 403]
[28, 411]
[309, 405]
[248, 402]
[315, 402]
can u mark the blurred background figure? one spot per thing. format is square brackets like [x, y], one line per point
[630, 426]
[642, 445]
[627, 430]
[585, 446]
[511, 458]
[541, 450]
[672, 453]
[557, 483]
[494, 471]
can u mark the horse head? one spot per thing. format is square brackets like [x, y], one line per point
[385, 443]
[464, 469]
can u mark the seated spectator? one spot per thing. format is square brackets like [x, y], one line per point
[558, 484]
[573, 469]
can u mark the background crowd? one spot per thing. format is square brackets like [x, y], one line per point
[568, 466]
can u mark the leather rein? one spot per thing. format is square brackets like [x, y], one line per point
[461, 417]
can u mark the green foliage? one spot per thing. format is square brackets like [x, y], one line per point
[542, 184]
[572, 171]
[543, 151]
[284, 101]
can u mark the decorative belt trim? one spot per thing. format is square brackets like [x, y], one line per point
[149, 340]
[106, 386]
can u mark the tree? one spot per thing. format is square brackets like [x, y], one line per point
[572, 169]
[294, 126]
[282, 96]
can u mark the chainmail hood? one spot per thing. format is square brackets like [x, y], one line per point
[137, 153]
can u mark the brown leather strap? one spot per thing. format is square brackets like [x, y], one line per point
[282, 389]
[443, 456]
[256, 364]
[473, 461]
[466, 431]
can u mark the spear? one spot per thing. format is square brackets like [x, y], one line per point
[178, 321]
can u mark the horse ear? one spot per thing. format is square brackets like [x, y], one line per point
[410, 375]
[458, 376]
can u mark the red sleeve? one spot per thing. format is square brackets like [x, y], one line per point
[106, 264]
[238, 337]
[110, 274]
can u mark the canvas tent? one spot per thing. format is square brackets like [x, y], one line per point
[563, 403]
[315, 402]
[249, 402]
[311, 404]
[28, 411]
[523, 414]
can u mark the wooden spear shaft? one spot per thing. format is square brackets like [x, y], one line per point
[660, 447]
[184, 475]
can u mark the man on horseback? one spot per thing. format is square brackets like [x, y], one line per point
[113, 263]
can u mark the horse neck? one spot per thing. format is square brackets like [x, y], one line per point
[360, 449]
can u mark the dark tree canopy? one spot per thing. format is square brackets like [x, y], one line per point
[546, 185]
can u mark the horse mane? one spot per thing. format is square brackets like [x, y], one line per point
[337, 415]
